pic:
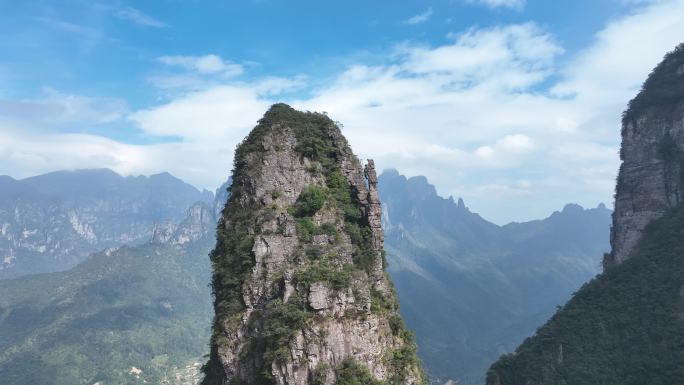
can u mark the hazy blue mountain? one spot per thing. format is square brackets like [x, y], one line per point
[53, 221]
[626, 326]
[221, 197]
[471, 289]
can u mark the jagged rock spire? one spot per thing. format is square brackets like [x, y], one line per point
[301, 296]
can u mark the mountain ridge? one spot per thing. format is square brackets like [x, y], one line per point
[625, 326]
[53, 221]
[424, 192]
[473, 294]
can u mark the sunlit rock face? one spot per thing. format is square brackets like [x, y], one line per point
[301, 296]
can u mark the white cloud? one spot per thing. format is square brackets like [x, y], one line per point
[55, 107]
[274, 85]
[219, 114]
[207, 64]
[24, 153]
[197, 73]
[514, 4]
[515, 56]
[419, 18]
[138, 17]
[458, 113]
[622, 56]
[475, 115]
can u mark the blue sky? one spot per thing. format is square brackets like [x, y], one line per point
[512, 104]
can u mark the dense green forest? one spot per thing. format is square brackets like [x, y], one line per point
[626, 327]
[662, 87]
[472, 290]
[132, 316]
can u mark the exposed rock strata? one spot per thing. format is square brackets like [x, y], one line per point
[625, 326]
[198, 222]
[299, 273]
[651, 178]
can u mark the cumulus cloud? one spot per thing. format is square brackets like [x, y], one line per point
[611, 71]
[219, 114]
[207, 64]
[458, 113]
[514, 56]
[492, 115]
[25, 152]
[419, 18]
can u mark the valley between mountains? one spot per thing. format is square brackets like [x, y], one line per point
[467, 287]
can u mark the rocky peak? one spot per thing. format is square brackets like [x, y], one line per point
[461, 204]
[301, 296]
[199, 221]
[651, 177]
[221, 197]
[163, 232]
[411, 205]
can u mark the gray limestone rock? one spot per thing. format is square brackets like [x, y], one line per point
[298, 290]
[651, 178]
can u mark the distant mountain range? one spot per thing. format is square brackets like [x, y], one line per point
[470, 289]
[53, 221]
[138, 311]
[126, 315]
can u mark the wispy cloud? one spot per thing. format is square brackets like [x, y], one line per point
[195, 72]
[54, 107]
[207, 64]
[66, 26]
[137, 17]
[419, 18]
[513, 4]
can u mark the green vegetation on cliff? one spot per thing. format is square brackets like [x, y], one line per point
[626, 327]
[274, 322]
[663, 87]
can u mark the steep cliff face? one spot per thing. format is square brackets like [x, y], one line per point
[626, 327]
[651, 178]
[301, 296]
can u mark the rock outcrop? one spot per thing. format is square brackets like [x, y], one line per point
[651, 178]
[625, 327]
[301, 296]
[197, 224]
